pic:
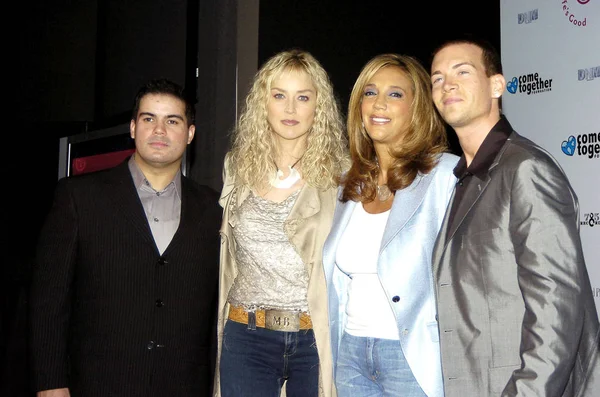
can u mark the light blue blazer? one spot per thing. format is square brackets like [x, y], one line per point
[404, 268]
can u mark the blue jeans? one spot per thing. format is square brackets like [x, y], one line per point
[368, 367]
[255, 363]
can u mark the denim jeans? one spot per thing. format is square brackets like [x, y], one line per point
[255, 363]
[369, 367]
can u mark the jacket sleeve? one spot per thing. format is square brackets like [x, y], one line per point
[50, 293]
[552, 277]
[228, 181]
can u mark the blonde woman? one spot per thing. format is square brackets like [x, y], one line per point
[280, 180]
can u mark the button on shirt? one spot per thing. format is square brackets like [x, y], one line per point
[162, 208]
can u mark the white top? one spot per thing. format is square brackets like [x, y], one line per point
[368, 310]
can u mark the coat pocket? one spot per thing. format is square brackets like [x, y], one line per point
[434, 332]
[499, 377]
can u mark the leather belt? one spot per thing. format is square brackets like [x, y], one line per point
[276, 320]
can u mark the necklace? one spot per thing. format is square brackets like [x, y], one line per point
[290, 180]
[383, 192]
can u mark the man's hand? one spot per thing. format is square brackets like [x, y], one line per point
[54, 393]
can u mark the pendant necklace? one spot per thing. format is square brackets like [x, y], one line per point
[291, 179]
[383, 192]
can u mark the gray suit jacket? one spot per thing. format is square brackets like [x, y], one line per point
[516, 311]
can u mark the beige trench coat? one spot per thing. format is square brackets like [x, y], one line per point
[307, 227]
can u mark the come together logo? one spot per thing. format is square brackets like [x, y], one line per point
[587, 145]
[530, 83]
[575, 16]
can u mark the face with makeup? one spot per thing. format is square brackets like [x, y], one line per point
[386, 106]
[291, 105]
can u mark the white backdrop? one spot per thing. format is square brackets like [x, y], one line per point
[551, 60]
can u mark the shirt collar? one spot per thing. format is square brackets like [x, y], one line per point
[487, 152]
[140, 180]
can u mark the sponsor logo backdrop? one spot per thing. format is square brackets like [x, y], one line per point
[551, 59]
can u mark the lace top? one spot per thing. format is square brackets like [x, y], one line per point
[271, 274]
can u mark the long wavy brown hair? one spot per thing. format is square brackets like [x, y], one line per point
[421, 145]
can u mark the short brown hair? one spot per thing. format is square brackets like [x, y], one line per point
[490, 55]
[162, 86]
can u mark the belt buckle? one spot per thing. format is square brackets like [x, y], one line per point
[281, 320]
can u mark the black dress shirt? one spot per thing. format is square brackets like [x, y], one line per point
[484, 157]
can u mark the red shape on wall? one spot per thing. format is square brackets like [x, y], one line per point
[97, 162]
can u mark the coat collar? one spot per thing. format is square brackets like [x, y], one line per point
[126, 201]
[406, 203]
[308, 197]
[311, 203]
[475, 189]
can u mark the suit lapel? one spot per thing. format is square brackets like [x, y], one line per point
[474, 191]
[406, 203]
[127, 202]
[310, 204]
[189, 213]
[341, 217]
[440, 243]
[446, 233]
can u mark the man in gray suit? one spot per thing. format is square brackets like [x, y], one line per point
[516, 311]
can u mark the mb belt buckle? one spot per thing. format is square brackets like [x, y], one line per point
[280, 320]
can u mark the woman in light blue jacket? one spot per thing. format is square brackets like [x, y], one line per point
[377, 257]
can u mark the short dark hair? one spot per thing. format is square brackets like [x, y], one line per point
[490, 55]
[166, 87]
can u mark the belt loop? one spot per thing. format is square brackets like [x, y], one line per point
[252, 321]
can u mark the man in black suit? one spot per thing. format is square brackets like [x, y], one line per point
[124, 287]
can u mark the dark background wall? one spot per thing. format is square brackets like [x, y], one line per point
[79, 64]
[345, 35]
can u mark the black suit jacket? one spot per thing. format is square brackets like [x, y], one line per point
[109, 315]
